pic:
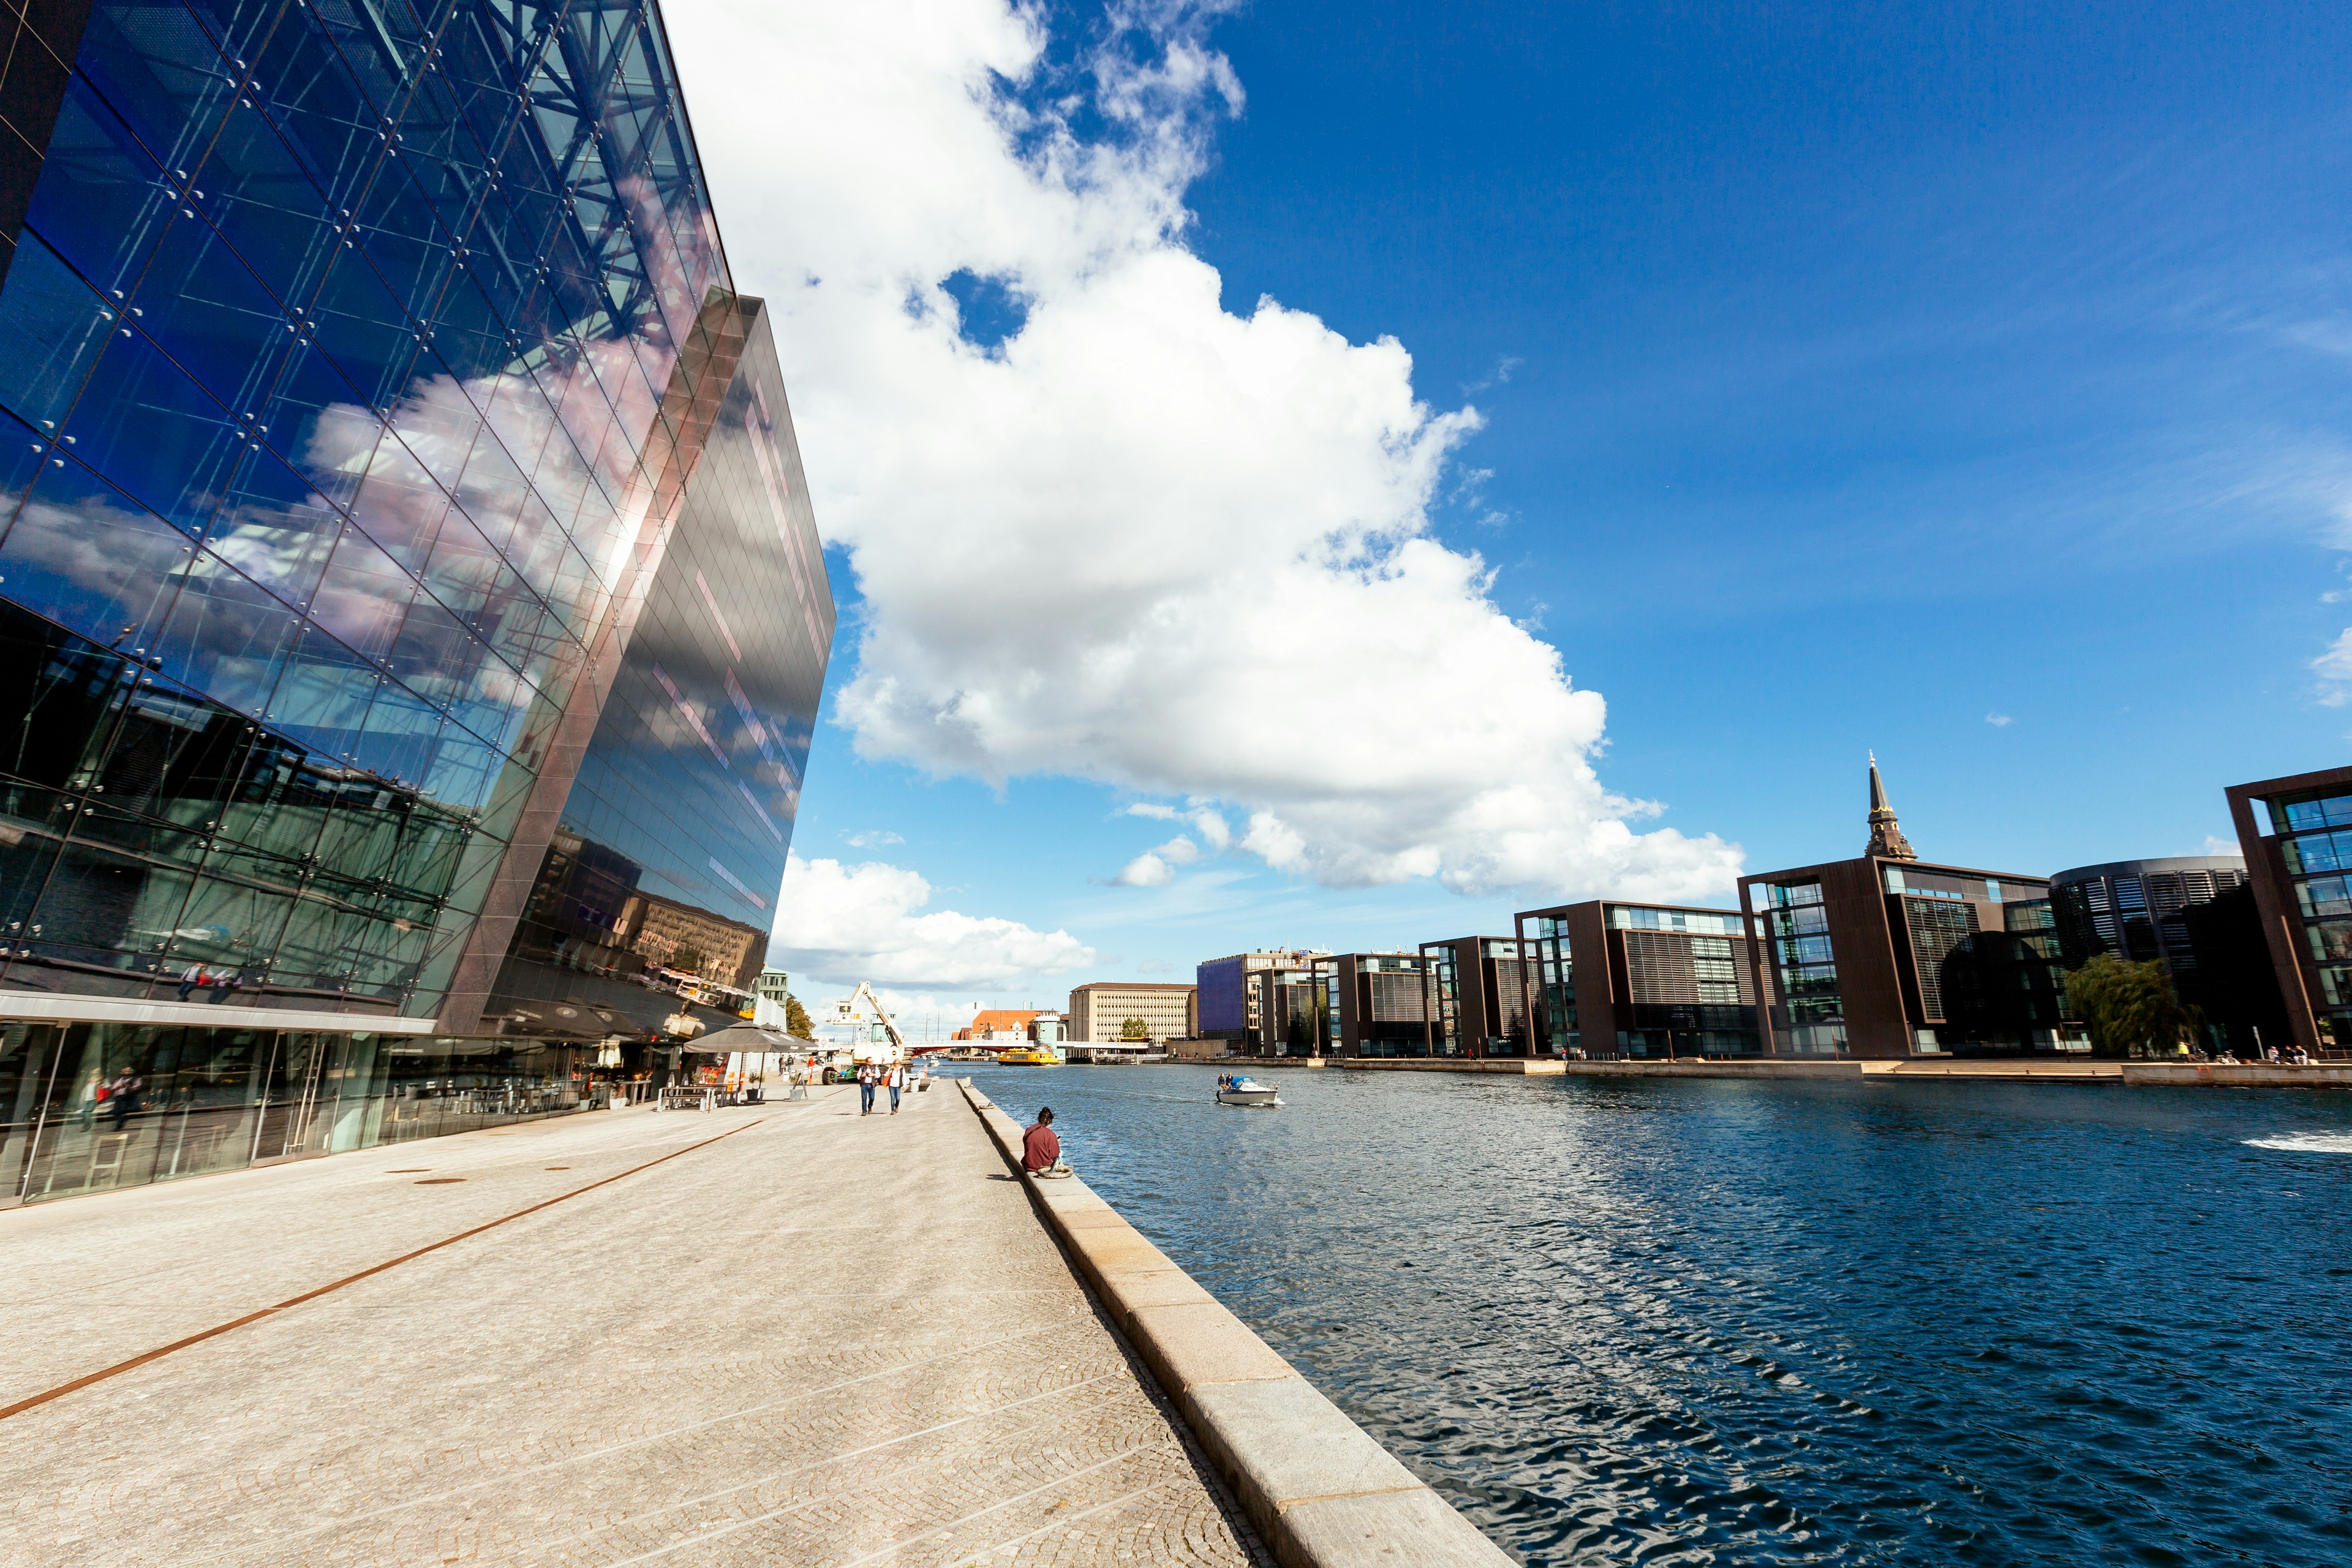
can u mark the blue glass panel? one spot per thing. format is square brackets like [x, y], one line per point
[160, 71]
[211, 315]
[364, 330]
[275, 528]
[103, 200]
[226, 637]
[398, 739]
[314, 418]
[143, 423]
[239, 27]
[24, 452]
[397, 228]
[441, 153]
[330, 128]
[400, 506]
[322, 700]
[55, 328]
[435, 420]
[464, 769]
[263, 201]
[492, 490]
[362, 597]
[443, 662]
[88, 557]
[471, 340]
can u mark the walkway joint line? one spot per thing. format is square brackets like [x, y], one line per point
[62, 1390]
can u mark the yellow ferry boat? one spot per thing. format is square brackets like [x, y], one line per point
[1028, 1057]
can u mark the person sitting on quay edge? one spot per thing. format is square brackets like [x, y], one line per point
[1041, 1150]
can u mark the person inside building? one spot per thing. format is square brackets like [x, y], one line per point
[1041, 1150]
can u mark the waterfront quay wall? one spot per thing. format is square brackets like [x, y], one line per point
[1322, 1491]
[2146, 1075]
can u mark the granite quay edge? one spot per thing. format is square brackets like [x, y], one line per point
[2138, 1074]
[1324, 1492]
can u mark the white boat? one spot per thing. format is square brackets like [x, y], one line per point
[1247, 1091]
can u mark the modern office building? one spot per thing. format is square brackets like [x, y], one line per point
[1477, 997]
[2193, 915]
[359, 363]
[1608, 978]
[1229, 993]
[1374, 1004]
[1888, 956]
[1291, 1013]
[2296, 834]
[1099, 1011]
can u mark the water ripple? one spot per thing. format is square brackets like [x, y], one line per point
[1690, 1322]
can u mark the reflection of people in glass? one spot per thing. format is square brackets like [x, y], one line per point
[122, 1097]
[223, 984]
[91, 1093]
[190, 978]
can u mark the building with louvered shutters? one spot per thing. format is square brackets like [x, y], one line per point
[1374, 1004]
[2193, 914]
[1609, 979]
[1477, 997]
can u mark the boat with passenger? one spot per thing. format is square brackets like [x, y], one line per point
[1240, 1089]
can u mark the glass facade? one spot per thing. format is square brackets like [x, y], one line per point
[397, 501]
[1809, 1014]
[1553, 977]
[89, 1107]
[2315, 840]
[360, 350]
[657, 895]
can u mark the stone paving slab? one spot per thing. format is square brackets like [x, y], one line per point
[827, 1340]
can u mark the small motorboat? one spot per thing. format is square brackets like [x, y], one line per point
[1246, 1091]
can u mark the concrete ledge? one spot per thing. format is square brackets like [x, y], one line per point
[1517, 1067]
[2206, 1075]
[1322, 1490]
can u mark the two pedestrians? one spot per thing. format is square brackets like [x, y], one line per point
[866, 1080]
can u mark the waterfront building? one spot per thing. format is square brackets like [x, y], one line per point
[1000, 1024]
[2193, 915]
[399, 484]
[1229, 994]
[1478, 1001]
[1609, 978]
[1290, 1013]
[2296, 834]
[1886, 955]
[1100, 1011]
[1374, 1004]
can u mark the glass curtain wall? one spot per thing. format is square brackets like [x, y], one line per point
[90, 1107]
[1811, 1018]
[2316, 841]
[357, 355]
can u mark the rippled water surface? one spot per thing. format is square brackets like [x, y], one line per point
[1684, 1322]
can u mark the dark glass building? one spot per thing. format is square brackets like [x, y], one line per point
[1888, 956]
[1374, 1004]
[359, 360]
[1477, 997]
[1608, 979]
[2296, 833]
[2193, 915]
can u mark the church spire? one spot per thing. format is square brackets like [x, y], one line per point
[1886, 840]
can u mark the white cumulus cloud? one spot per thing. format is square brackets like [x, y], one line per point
[844, 923]
[1101, 547]
[1146, 870]
[2334, 668]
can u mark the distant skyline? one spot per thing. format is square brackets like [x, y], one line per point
[1970, 388]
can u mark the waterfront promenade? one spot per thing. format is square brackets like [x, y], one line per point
[776, 1334]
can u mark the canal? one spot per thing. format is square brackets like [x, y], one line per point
[1722, 1323]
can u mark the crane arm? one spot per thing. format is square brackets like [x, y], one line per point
[881, 1012]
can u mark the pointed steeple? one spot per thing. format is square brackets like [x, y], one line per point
[1886, 840]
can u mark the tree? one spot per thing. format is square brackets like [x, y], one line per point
[1135, 1029]
[688, 959]
[796, 1019]
[2129, 1008]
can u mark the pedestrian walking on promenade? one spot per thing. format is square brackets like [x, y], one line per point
[898, 1081]
[866, 1089]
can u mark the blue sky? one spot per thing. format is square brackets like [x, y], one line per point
[1969, 382]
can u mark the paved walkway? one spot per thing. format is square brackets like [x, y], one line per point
[822, 1339]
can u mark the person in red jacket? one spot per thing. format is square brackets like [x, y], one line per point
[1040, 1150]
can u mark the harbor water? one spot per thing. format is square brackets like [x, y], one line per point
[1695, 1321]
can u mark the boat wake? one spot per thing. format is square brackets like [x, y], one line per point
[2306, 1142]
